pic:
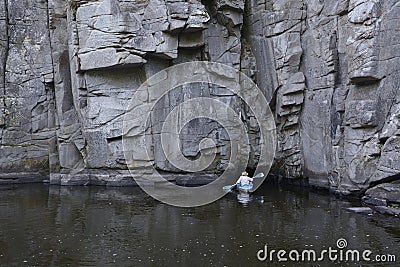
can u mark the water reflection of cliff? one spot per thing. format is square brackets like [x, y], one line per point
[123, 226]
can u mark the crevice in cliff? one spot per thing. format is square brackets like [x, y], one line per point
[211, 7]
[6, 46]
[301, 68]
[390, 179]
[48, 33]
[337, 116]
[114, 139]
[4, 58]
[248, 65]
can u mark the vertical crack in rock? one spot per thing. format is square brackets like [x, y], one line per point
[249, 67]
[48, 32]
[54, 161]
[4, 57]
[6, 44]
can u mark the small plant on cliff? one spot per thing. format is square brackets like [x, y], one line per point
[72, 6]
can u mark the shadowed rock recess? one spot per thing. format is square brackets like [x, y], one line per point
[330, 69]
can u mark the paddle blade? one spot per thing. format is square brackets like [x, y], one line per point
[228, 187]
[260, 175]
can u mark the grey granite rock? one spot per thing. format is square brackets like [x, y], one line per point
[330, 69]
[389, 192]
[388, 211]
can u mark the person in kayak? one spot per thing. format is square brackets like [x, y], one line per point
[244, 179]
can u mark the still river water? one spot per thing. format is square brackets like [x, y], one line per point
[95, 226]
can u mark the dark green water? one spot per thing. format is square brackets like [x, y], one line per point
[96, 226]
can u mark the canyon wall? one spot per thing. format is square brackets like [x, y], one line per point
[336, 73]
[330, 70]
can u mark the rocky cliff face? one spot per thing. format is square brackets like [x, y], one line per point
[330, 68]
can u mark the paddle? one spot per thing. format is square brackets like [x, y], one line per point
[260, 175]
[230, 187]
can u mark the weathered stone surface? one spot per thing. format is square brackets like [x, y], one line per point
[389, 192]
[362, 43]
[26, 92]
[388, 165]
[361, 114]
[330, 69]
[384, 198]
[348, 125]
[388, 210]
[108, 58]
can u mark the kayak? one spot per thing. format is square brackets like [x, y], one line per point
[244, 188]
